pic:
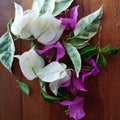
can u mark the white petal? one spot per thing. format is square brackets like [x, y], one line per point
[46, 28]
[21, 24]
[58, 35]
[52, 72]
[54, 86]
[18, 11]
[31, 64]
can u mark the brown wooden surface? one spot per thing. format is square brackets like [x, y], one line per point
[102, 101]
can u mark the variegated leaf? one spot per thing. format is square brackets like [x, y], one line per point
[61, 5]
[7, 50]
[86, 28]
[43, 6]
[74, 56]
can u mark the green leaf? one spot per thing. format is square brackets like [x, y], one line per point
[106, 49]
[33, 45]
[114, 51]
[86, 28]
[110, 51]
[7, 50]
[88, 52]
[101, 61]
[24, 87]
[63, 93]
[61, 5]
[48, 97]
[74, 56]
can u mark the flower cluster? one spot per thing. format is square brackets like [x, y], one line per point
[61, 63]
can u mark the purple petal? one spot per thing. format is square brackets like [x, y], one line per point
[69, 19]
[74, 13]
[93, 72]
[66, 103]
[78, 84]
[60, 50]
[76, 110]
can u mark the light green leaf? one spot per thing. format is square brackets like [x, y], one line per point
[74, 56]
[86, 28]
[24, 87]
[7, 50]
[61, 5]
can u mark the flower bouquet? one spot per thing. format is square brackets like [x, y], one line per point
[61, 62]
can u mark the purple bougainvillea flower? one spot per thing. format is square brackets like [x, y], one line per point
[74, 84]
[77, 84]
[69, 18]
[75, 108]
[46, 52]
[92, 72]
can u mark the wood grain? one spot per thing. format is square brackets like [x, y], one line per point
[102, 101]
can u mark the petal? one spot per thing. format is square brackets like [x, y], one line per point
[52, 72]
[31, 64]
[21, 26]
[46, 51]
[45, 28]
[54, 86]
[78, 84]
[76, 109]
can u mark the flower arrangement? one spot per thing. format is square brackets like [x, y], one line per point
[61, 64]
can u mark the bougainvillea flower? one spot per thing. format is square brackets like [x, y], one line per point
[54, 86]
[46, 52]
[75, 108]
[46, 29]
[94, 70]
[69, 18]
[74, 84]
[30, 63]
[54, 73]
[20, 26]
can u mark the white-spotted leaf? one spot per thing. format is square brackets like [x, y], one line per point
[74, 56]
[61, 5]
[86, 28]
[7, 50]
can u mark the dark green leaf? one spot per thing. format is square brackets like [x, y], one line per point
[101, 61]
[48, 97]
[114, 51]
[33, 45]
[110, 51]
[24, 87]
[88, 52]
[63, 93]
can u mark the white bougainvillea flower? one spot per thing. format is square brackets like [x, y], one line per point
[46, 28]
[54, 86]
[30, 63]
[21, 24]
[54, 73]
